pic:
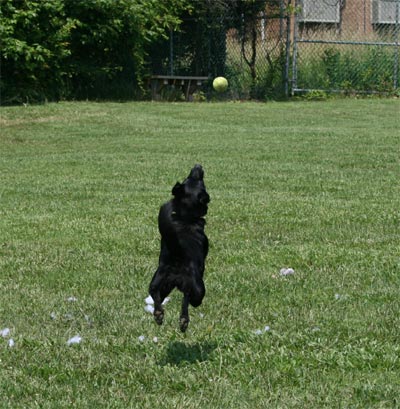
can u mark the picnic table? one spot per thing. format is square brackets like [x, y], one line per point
[188, 84]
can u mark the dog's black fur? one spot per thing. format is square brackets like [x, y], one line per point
[184, 246]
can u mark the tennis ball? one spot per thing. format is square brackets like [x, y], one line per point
[220, 84]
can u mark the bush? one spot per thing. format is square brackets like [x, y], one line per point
[34, 38]
[348, 70]
[54, 49]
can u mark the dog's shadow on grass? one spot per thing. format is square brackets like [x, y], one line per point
[177, 353]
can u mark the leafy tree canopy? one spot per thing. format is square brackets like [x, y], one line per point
[66, 48]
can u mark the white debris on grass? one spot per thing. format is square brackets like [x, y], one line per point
[72, 299]
[286, 271]
[5, 332]
[142, 338]
[74, 340]
[53, 315]
[267, 328]
[338, 296]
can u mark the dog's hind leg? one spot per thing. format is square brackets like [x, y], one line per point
[184, 318]
[197, 293]
[194, 297]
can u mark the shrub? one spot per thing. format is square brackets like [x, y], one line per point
[352, 69]
[34, 39]
[54, 49]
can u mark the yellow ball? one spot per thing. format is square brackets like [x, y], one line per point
[220, 84]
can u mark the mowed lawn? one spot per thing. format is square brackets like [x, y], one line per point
[312, 186]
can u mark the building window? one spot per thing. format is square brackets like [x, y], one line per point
[320, 11]
[385, 11]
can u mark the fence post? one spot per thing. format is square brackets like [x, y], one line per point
[294, 58]
[288, 46]
[171, 52]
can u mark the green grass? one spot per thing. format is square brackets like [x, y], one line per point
[312, 186]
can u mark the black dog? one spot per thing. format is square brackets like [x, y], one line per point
[184, 246]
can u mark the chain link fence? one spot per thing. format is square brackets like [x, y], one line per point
[250, 50]
[289, 47]
[346, 46]
[257, 63]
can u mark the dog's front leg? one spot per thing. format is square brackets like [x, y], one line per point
[184, 319]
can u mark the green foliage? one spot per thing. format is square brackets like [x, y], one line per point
[79, 48]
[201, 47]
[111, 40]
[246, 20]
[316, 95]
[268, 83]
[199, 96]
[172, 94]
[34, 38]
[198, 47]
[354, 69]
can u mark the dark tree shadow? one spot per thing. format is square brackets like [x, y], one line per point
[177, 353]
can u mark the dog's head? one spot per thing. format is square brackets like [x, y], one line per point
[190, 197]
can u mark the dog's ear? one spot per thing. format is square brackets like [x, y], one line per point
[178, 190]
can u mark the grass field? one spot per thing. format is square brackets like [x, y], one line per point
[311, 186]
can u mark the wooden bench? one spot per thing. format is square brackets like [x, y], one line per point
[187, 84]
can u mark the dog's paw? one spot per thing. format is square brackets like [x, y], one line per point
[183, 323]
[159, 316]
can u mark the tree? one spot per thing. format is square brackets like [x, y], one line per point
[52, 49]
[111, 39]
[34, 47]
